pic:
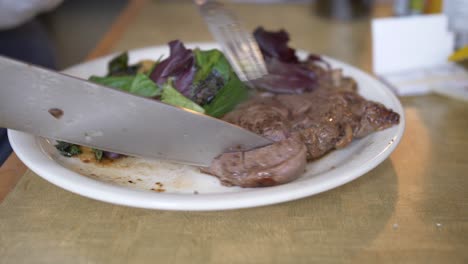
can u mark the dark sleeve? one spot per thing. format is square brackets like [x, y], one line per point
[5, 148]
[30, 43]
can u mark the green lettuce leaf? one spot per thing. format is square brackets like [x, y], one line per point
[140, 84]
[216, 86]
[119, 82]
[228, 97]
[173, 97]
[209, 60]
[98, 154]
[118, 64]
[68, 149]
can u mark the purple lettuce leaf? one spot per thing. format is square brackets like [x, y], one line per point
[316, 59]
[180, 65]
[287, 78]
[286, 73]
[112, 155]
[275, 45]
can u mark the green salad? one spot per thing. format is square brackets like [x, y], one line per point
[201, 81]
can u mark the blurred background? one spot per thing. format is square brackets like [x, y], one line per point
[70, 29]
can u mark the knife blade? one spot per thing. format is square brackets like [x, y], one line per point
[62, 107]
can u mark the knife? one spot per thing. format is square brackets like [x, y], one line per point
[62, 107]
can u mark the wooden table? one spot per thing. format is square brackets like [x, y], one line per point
[413, 208]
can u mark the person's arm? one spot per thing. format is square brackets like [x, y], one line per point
[5, 148]
[15, 12]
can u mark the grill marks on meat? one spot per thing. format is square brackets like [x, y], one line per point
[265, 117]
[305, 127]
[330, 119]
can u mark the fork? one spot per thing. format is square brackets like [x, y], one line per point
[239, 47]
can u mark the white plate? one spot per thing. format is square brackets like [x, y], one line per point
[129, 181]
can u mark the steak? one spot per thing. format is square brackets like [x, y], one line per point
[275, 164]
[304, 127]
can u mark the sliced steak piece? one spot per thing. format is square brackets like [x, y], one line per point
[275, 164]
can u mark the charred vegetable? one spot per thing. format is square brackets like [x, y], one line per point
[68, 149]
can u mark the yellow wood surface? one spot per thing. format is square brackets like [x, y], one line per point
[413, 208]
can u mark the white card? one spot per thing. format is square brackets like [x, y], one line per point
[410, 54]
[409, 43]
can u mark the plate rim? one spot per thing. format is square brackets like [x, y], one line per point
[120, 195]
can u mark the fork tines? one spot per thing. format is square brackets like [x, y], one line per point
[238, 45]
